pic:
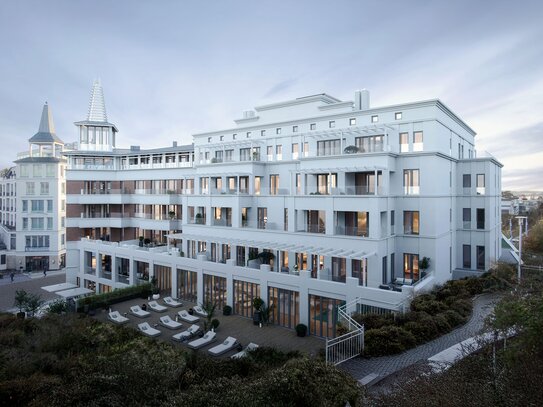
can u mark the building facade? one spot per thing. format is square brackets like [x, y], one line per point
[34, 203]
[307, 203]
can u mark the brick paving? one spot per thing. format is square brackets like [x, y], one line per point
[387, 365]
[31, 284]
[233, 325]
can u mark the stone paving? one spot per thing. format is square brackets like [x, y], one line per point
[386, 365]
[31, 284]
[236, 326]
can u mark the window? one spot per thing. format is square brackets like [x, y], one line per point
[62, 205]
[37, 206]
[269, 152]
[44, 188]
[404, 142]
[392, 221]
[398, 115]
[352, 122]
[258, 181]
[234, 136]
[480, 184]
[328, 147]
[37, 223]
[262, 132]
[480, 257]
[466, 256]
[228, 155]
[417, 141]
[245, 154]
[313, 126]
[411, 266]
[295, 129]
[374, 119]
[411, 222]
[369, 144]
[209, 139]
[63, 221]
[278, 130]
[248, 135]
[221, 138]
[466, 182]
[285, 219]
[25, 223]
[279, 152]
[480, 218]
[305, 149]
[30, 188]
[295, 153]
[49, 223]
[384, 270]
[298, 184]
[62, 239]
[274, 184]
[25, 205]
[332, 124]
[411, 182]
[466, 218]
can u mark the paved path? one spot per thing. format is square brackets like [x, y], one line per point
[386, 365]
[31, 284]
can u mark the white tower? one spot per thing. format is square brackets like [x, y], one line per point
[96, 133]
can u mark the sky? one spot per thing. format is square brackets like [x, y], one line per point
[170, 69]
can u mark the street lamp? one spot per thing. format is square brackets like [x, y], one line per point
[520, 222]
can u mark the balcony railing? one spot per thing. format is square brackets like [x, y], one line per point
[36, 248]
[312, 228]
[351, 231]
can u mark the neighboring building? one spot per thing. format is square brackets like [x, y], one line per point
[347, 199]
[33, 203]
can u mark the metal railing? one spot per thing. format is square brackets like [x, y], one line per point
[350, 344]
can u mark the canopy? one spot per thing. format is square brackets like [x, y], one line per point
[58, 287]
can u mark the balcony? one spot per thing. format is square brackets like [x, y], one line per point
[259, 224]
[351, 231]
[36, 248]
[312, 228]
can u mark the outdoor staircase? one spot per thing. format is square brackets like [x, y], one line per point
[350, 344]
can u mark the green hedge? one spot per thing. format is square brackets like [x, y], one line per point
[104, 300]
[432, 315]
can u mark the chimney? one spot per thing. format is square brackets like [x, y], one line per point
[362, 99]
[174, 144]
[247, 114]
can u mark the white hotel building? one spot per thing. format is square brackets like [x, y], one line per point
[348, 198]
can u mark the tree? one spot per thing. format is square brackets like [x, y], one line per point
[21, 298]
[33, 303]
[534, 241]
[209, 308]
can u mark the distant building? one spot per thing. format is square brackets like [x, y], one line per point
[33, 203]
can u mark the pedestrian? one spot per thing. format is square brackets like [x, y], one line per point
[45, 271]
[12, 275]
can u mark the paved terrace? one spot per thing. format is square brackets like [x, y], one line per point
[233, 325]
[31, 283]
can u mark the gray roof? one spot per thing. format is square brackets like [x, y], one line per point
[40, 160]
[188, 148]
[46, 132]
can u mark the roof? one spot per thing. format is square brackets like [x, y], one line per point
[97, 106]
[46, 132]
[39, 160]
[188, 148]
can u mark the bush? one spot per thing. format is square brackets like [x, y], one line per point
[425, 303]
[454, 318]
[104, 300]
[215, 323]
[301, 330]
[462, 306]
[423, 330]
[387, 340]
[227, 310]
[374, 321]
[57, 307]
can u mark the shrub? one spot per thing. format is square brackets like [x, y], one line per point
[257, 303]
[423, 330]
[387, 340]
[442, 323]
[374, 321]
[215, 323]
[462, 306]
[428, 304]
[454, 318]
[104, 300]
[57, 307]
[301, 330]
[227, 310]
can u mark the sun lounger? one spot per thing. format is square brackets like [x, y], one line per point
[116, 317]
[185, 316]
[137, 311]
[167, 322]
[228, 344]
[199, 310]
[189, 333]
[243, 353]
[209, 337]
[170, 302]
[155, 306]
[148, 330]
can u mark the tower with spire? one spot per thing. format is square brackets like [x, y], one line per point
[96, 133]
[45, 142]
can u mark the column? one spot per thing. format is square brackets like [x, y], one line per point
[375, 185]
[114, 275]
[131, 271]
[174, 280]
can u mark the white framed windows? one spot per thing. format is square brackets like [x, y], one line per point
[262, 132]
[44, 188]
[398, 116]
[411, 182]
[30, 188]
[352, 121]
[375, 118]
[404, 142]
[313, 126]
[480, 184]
[295, 151]
[417, 141]
[331, 124]
[279, 152]
[411, 222]
[278, 130]
[295, 129]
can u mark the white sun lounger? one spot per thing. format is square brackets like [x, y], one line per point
[167, 322]
[185, 316]
[137, 311]
[243, 353]
[172, 303]
[189, 333]
[116, 317]
[155, 306]
[148, 330]
[209, 337]
[199, 310]
[228, 344]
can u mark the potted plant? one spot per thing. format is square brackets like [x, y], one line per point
[147, 241]
[21, 297]
[301, 330]
[351, 150]
[424, 265]
[209, 308]
[171, 214]
[198, 219]
[227, 310]
[141, 241]
[215, 324]
[257, 305]
[155, 288]
[266, 257]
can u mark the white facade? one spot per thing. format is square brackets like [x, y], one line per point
[348, 198]
[34, 203]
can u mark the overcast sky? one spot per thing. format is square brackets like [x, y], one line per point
[173, 68]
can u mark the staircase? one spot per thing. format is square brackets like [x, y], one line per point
[349, 345]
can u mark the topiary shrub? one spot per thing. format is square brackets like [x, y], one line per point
[227, 310]
[215, 324]
[387, 340]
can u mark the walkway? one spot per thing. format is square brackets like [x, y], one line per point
[383, 366]
[31, 284]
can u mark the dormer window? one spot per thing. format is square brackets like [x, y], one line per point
[262, 132]
[374, 119]
[313, 126]
[295, 129]
[222, 138]
[209, 139]
[352, 122]
[248, 134]
[331, 124]
[278, 130]
[234, 136]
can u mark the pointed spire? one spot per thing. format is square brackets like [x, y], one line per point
[46, 122]
[97, 106]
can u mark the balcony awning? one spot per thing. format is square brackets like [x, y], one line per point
[337, 169]
[290, 247]
[74, 292]
[375, 129]
[58, 287]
